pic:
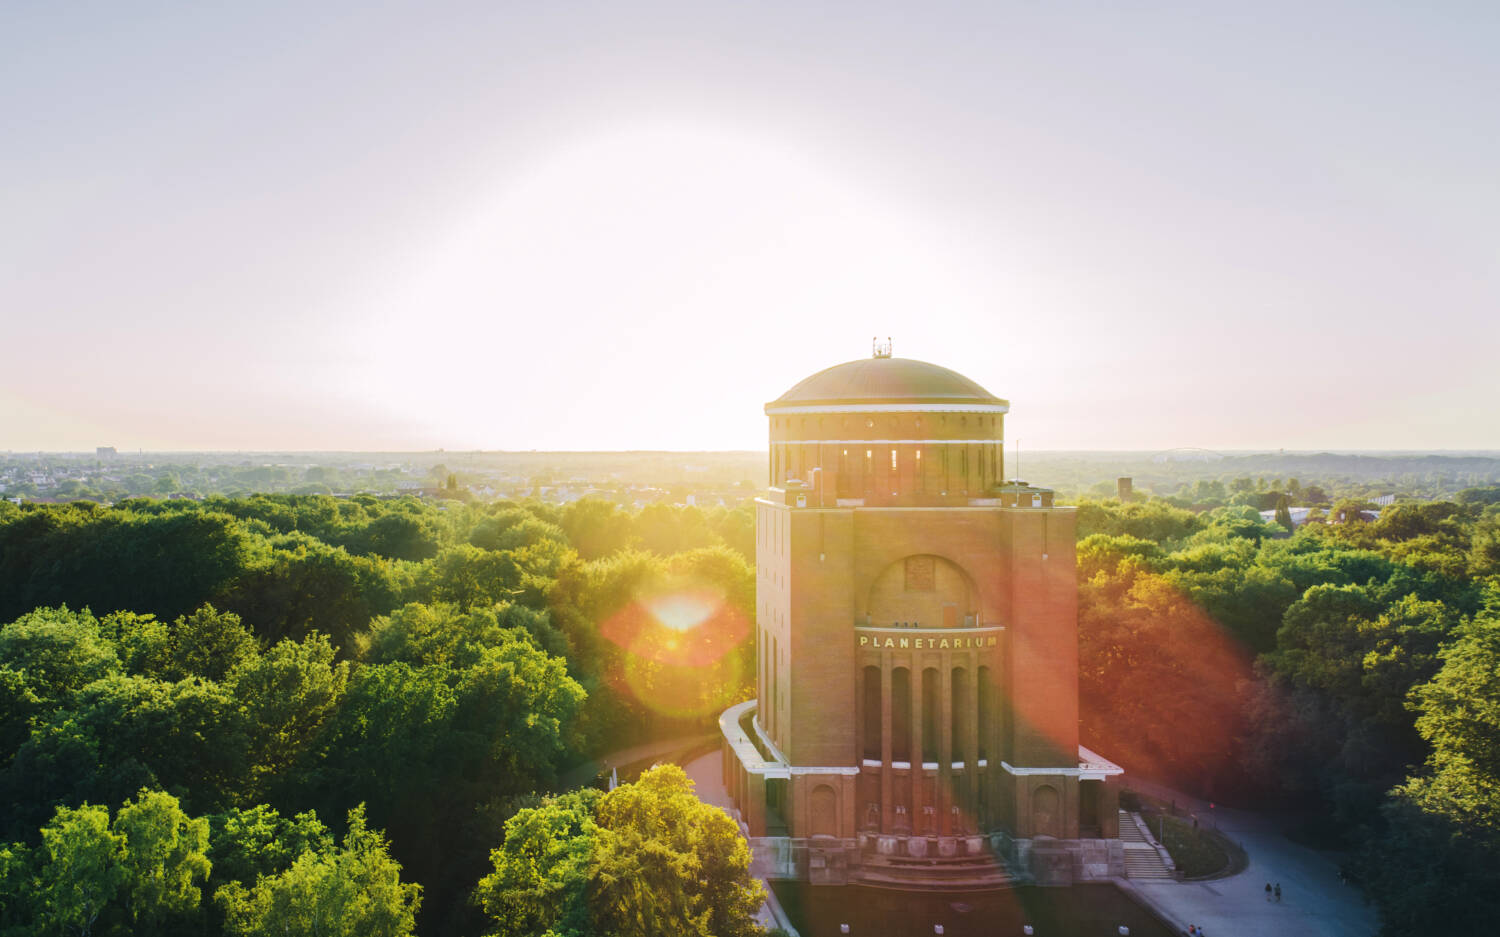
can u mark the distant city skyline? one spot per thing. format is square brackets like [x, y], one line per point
[479, 226]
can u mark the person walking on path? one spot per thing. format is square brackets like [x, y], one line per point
[1268, 891]
[1278, 893]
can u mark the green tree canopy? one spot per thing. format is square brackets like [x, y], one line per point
[645, 859]
[354, 890]
[164, 854]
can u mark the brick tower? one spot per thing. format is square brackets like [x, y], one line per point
[917, 636]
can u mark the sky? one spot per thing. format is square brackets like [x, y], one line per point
[630, 225]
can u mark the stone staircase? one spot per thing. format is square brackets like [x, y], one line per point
[955, 873]
[1142, 859]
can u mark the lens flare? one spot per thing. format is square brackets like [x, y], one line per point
[1152, 657]
[682, 649]
[683, 611]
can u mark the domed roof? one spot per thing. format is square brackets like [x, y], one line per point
[887, 383]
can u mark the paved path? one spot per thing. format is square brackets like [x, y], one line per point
[1314, 903]
[589, 770]
[706, 773]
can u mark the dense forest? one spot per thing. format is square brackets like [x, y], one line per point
[286, 692]
[218, 715]
[1349, 673]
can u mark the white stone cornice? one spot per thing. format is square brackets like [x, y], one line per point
[886, 442]
[890, 408]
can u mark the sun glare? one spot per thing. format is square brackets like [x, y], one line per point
[684, 236]
[678, 648]
[683, 611]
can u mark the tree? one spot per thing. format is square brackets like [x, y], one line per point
[187, 736]
[18, 705]
[58, 652]
[1444, 823]
[596, 528]
[210, 643]
[442, 634]
[308, 586]
[17, 898]
[400, 536]
[164, 854]
[287, 694]
[248, 844]
[468, 576]
[645, 859]
[1284, 512]
[539, 885]
[352, 891]
[81, 872]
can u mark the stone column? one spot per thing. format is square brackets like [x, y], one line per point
[887, 809]
[971, 743]
[944, 799]
[915, 815]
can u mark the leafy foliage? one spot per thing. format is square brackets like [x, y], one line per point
[1352, 665]
[298, 656]
[647, 858]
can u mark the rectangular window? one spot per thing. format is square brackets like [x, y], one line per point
[893, 460]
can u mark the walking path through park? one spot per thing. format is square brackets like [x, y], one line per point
[589, 770]
[707, 774]
[1314, 902]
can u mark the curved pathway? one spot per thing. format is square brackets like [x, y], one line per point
[1314, 902]
[589, 770]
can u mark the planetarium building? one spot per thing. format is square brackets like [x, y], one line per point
[916, 720]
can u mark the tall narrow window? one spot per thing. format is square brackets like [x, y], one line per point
[921, 482]
[986, 696]
[960, 713]
[901, 714]
[893, 460]
[930, 713]
[872, 713]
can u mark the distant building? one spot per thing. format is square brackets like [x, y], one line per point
[1299, 516]
[105, 452]
[1125, 487]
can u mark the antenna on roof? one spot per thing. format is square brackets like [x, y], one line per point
[879, 350]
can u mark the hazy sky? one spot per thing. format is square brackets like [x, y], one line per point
[624, 225]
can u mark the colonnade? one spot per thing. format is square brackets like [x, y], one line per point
[930, 730]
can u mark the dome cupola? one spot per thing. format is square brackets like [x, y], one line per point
[887, 431]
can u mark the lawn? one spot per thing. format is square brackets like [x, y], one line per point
[1197, 853]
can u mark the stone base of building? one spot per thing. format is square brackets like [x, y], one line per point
[1064, 861]
[937, 863]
